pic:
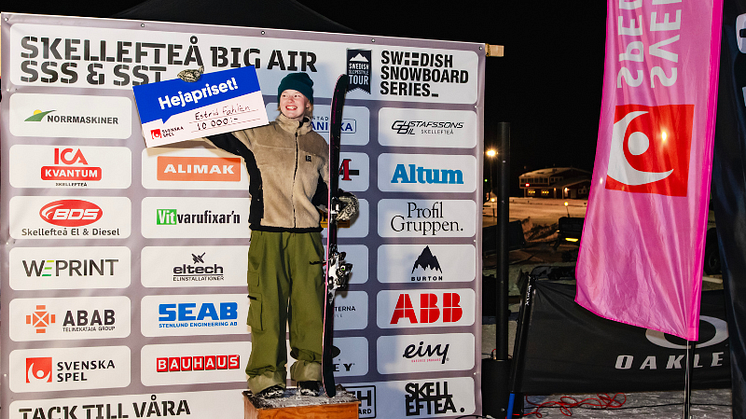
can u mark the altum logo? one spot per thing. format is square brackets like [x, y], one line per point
[39, 370]
[412, 173]
[650, 149]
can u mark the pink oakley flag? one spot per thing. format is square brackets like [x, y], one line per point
[641, 254]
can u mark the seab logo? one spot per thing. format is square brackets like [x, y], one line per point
[71, 213]
[39, 370]
[650, 148]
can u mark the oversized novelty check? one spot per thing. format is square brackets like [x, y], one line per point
[176, 110]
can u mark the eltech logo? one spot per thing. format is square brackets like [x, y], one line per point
[188, 169]
[650, 148]
[198, 363]
[39, 370]
[40, 319]
[71, 213]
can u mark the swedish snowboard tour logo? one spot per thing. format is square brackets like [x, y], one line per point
[38, 116]
[359, 69]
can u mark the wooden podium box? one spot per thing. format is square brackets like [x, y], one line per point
[342, 406]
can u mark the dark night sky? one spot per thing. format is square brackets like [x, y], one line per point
[548, 85]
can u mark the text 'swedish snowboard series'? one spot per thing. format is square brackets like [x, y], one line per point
[337, 270]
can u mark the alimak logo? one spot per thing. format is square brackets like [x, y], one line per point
[188, 169]
[39, 370]
[38, 115]
[650, 149]
[71, 213]
[40, 319]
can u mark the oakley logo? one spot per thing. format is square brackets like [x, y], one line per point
[721, 334]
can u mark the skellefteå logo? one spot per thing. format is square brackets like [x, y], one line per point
[650, 149]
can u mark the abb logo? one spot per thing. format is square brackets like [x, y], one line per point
[71, 213]
[650, 149]
[39, 370]
[198, 363]
[225, 169]
[431, 310]
[40, 319]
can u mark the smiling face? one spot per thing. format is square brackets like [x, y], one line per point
[293, 104]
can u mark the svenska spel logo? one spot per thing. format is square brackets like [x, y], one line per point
[39, 370]
[155, 133]
[650, 149]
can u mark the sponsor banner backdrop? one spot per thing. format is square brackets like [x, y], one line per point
[641, 254]
[130, 262]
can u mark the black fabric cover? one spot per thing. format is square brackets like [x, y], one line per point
[729, 193]
[276, 14]
[571, 350]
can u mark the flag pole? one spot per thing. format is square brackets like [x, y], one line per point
[688, 379]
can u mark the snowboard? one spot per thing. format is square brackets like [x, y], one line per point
[337, 270]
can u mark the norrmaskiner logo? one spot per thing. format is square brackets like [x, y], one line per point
[44, 116]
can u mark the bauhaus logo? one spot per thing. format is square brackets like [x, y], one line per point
[197, 363]
[71, 213]
[208, 169]
[650, 149]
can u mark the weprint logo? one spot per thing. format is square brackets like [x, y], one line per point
[76, 167]
[37, 116]
[171, 217]
[39, 370]
[71, 213]
[40, 319]
[69, 268]
[426, 262]
[650, 148]
[155, 133]
[197, 363]
[189, 169]
[359, 69]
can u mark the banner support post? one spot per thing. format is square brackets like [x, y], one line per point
[688, 379]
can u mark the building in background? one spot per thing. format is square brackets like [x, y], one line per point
[556, 182]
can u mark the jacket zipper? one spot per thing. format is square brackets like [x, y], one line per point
[295, 176]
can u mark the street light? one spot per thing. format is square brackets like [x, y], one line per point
[491, 154]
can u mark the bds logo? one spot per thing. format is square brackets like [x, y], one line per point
[71, 213]
[650, 149]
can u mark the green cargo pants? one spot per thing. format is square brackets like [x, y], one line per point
[285, 279]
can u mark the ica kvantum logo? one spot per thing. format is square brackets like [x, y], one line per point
[650, 148]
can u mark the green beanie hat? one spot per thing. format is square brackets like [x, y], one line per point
[297, 81]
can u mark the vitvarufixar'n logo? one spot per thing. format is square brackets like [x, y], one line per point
[650, 149]
[38, 115]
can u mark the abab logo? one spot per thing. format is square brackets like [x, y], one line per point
[40, 319]
[650, 149]
[39, 370]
